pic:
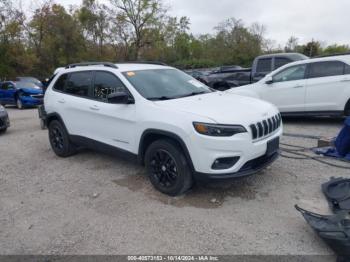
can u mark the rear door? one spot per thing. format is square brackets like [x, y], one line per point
[325, 86]
[287, 90]
[74, 103]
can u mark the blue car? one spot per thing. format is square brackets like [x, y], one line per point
[22, 94]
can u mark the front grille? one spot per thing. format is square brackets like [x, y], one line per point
[266, 127]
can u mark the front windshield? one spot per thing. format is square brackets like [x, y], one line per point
[27, 85]
[163, 84]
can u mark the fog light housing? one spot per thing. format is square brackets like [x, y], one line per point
[225, 163]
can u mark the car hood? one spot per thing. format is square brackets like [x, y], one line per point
[223, 108]
[32, 91]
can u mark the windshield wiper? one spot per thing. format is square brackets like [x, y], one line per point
[194, 94]
[161, 98]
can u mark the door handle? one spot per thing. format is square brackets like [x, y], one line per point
[95, 108]
[61, 101]
[298, 86]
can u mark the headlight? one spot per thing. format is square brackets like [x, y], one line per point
[218, 130]
[2, 109]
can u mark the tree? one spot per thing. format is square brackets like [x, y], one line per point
[336, 49]
[55, 37]
[292, 44]
[141, 15]
[94, 21]
[311, 49]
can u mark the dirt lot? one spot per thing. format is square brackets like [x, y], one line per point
[93, 203]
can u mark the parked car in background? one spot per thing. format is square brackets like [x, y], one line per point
[228, 77]
[21, 94]
[30, 80]
[4, 119]
[198, 74]
[176, 126]
[319, 86]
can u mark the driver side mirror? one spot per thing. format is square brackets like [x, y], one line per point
[268, 80]
[121, 97]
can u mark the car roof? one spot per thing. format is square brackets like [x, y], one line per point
[121, 67]
[294, 56]
[342, 58]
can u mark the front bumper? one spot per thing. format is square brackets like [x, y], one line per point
[250, 168]
[253, 155]
[4, 120]
[31, 101]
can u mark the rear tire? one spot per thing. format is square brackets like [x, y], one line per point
[167, 168]
[59, 140]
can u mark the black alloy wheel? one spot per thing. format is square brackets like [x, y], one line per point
[168, 168]
[164, 169]
[59, 139]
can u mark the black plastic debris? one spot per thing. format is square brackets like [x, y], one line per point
[337, 193]
[333, 229]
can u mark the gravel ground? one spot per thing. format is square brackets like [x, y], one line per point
[94, 203]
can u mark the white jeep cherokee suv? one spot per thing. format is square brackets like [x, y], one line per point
[177, 127]
[318, 86]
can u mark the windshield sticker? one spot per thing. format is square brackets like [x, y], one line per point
[131, 74]
[196, 83]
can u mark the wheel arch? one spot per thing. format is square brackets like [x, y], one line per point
[54, 116]
[151, 135]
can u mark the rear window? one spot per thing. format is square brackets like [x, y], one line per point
[326, 69]
[79, 84]
[347, 69]
[61, 82]
[264, 65]
[281, 61]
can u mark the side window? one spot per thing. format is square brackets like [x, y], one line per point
[290, 74]
[106, 84]
[3, 86]
[281, 61]
[347, 69]
[264, 65]
[79, 84]
[61, 82]
[324, 69]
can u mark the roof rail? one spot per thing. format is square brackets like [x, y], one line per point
[336, 54]
[107, 64]
[143, 62]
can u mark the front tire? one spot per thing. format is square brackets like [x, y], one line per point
[19, 103]
[167, 168]
[59, 140]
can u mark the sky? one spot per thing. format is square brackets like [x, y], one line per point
[323, 20]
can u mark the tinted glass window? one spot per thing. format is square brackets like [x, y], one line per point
[281, 61]
[347, 69]
[324, 69]
[163, 84]
[79, 84]
[61, 82]
[106, 84]
[7, 86]
[290, 74]
[3, 86]
[264, 65]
